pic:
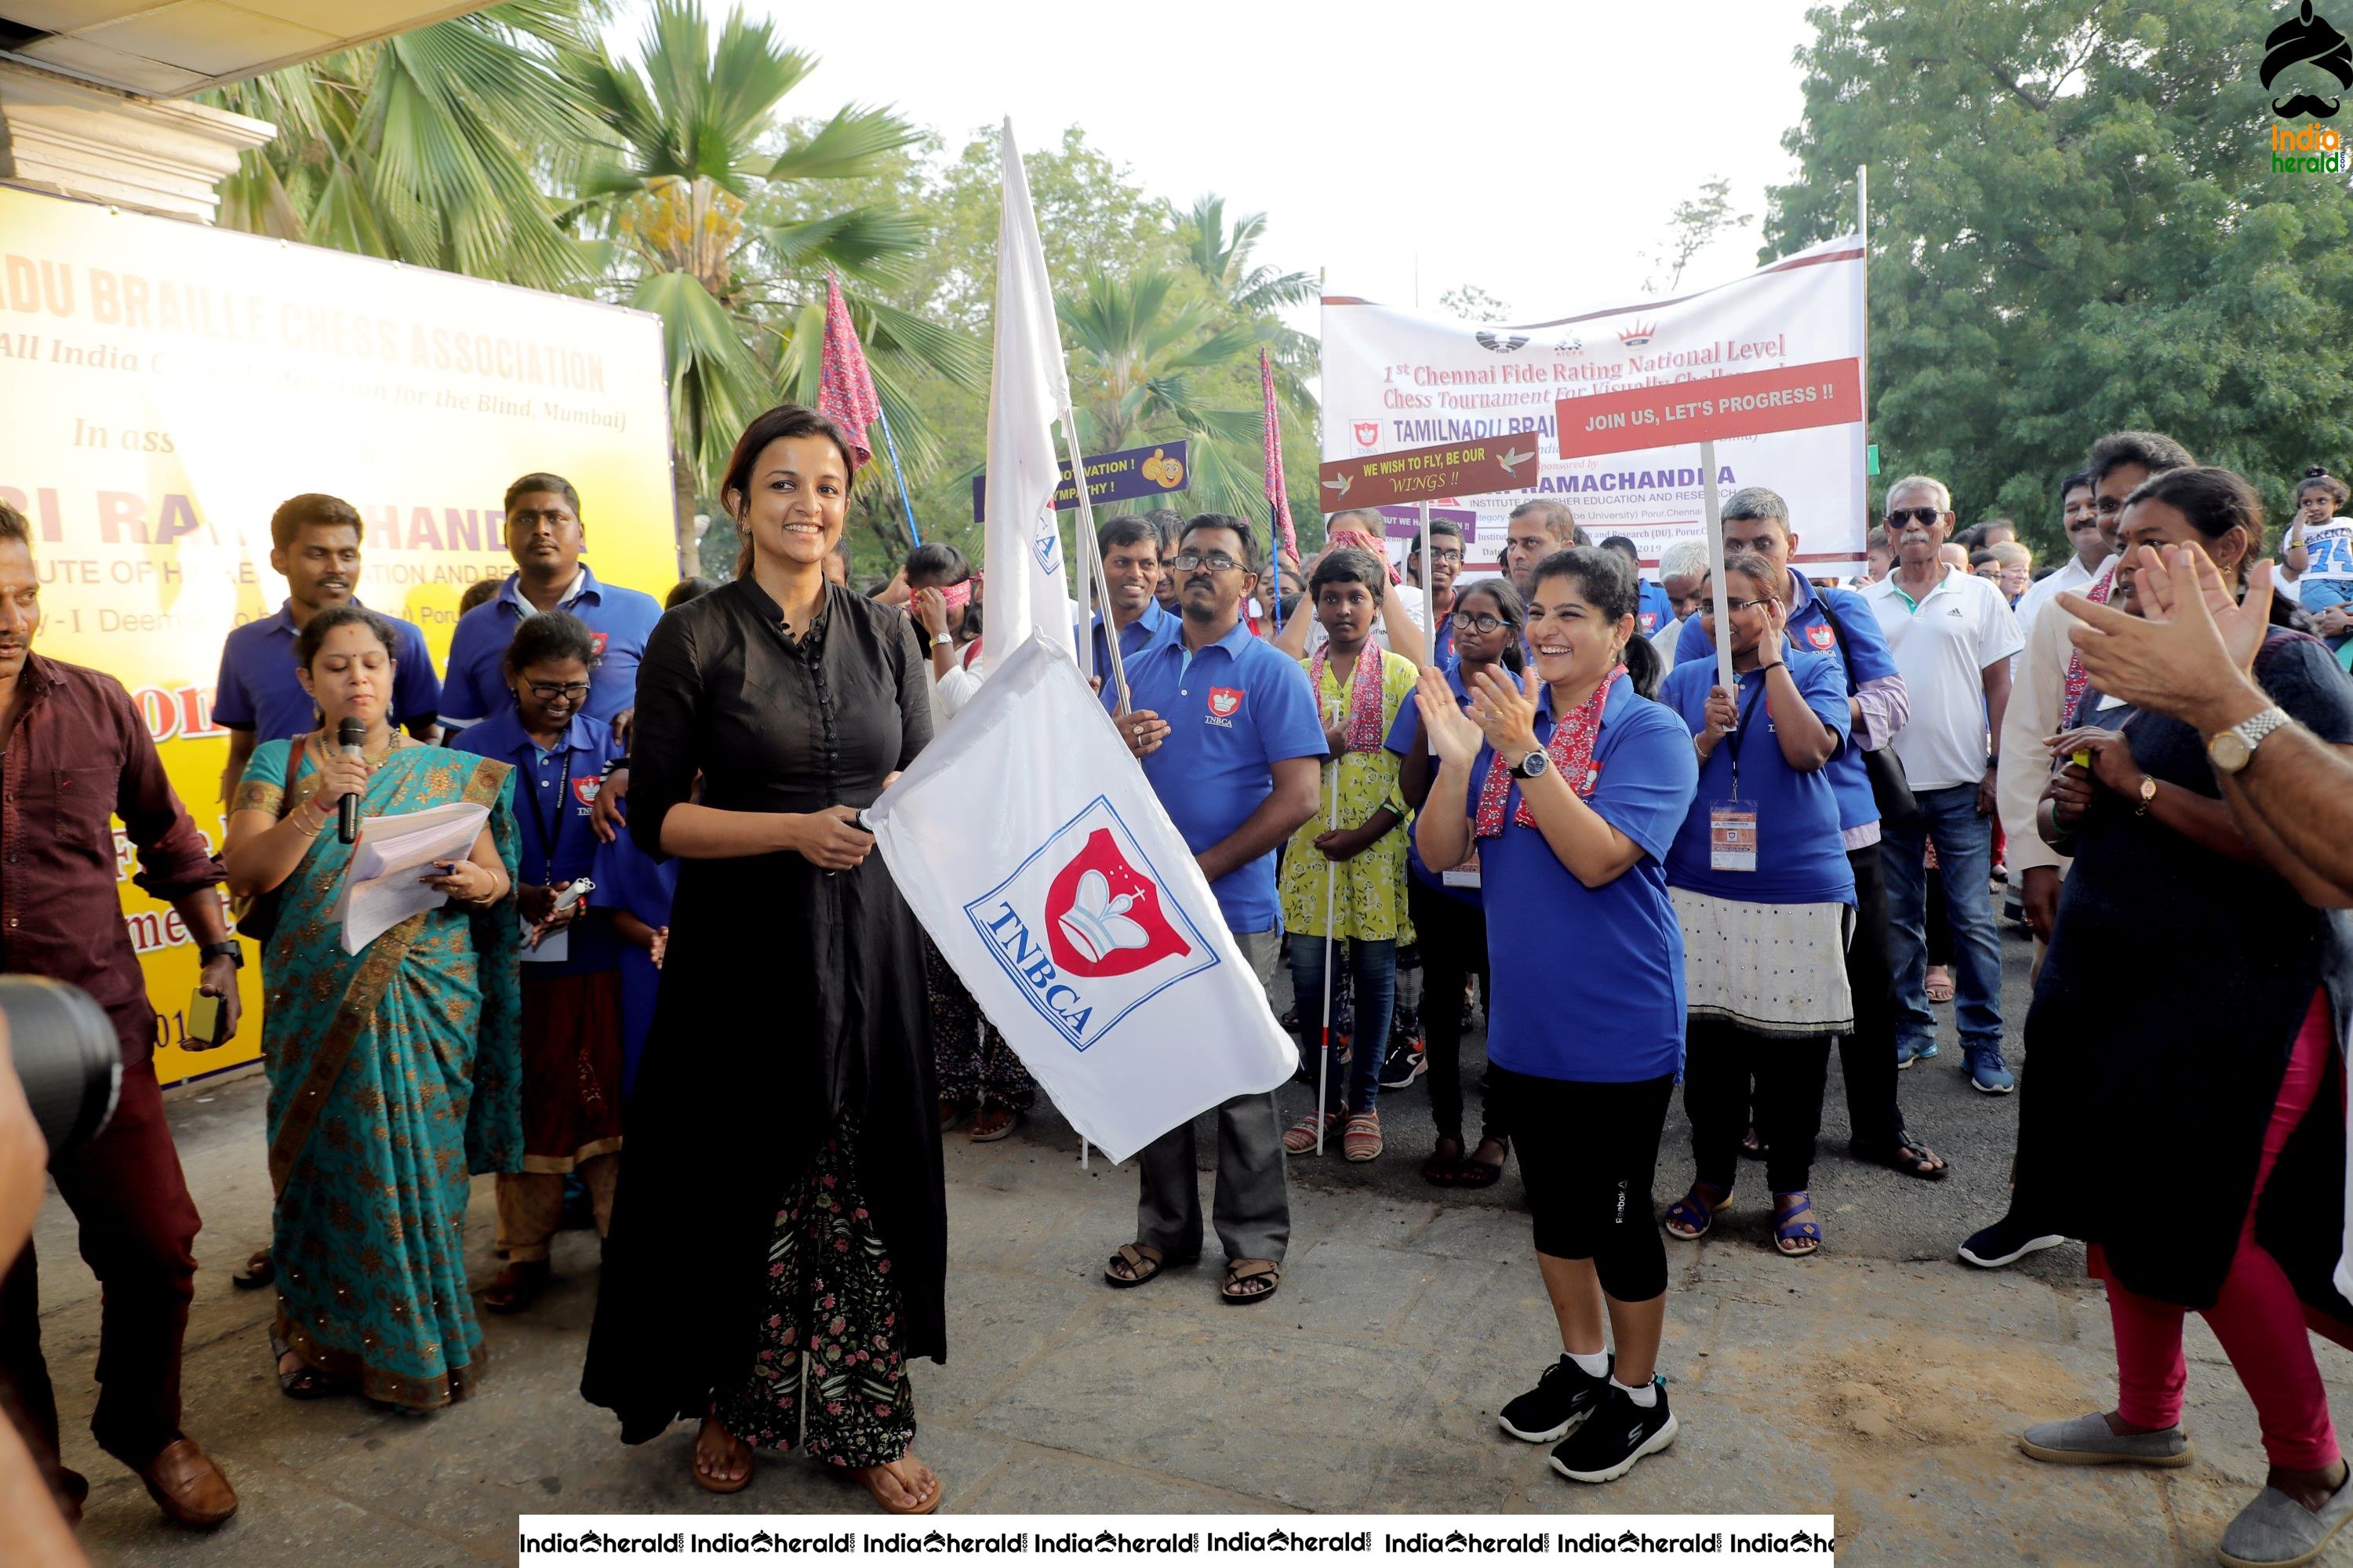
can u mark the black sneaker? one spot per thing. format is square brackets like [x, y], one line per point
[1407, 1061]
[2006, 1241]
[1562, 1398]
[1619, 1433]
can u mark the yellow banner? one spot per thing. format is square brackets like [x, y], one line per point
[164, 386]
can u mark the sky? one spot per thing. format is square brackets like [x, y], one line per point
[1535, 150]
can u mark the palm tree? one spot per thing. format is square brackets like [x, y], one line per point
[709, 225]
[426, 147]
[1141, 354]
[1254, 294]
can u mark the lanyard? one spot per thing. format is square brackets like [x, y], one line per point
[551, 837]
[1732, 741]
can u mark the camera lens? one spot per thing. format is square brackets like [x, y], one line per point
[66, 1055]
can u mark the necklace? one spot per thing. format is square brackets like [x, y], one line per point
[319, 741]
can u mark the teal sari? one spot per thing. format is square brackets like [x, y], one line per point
[395, 1074]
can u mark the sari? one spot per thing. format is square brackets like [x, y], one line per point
[394, 1075]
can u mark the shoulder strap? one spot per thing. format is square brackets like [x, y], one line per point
[293, 762]
[1838, 629]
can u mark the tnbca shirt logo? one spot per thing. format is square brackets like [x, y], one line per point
[1224, 703]
[1820, 635]
[1086, 930]
[599, 638]
[584, 790]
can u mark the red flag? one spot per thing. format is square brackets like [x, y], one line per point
[845, 391]
[1277, 497]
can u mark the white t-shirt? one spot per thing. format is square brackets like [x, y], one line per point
[1942, 648]
[2068, 578]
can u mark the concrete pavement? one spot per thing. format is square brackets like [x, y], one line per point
[1882, 1381]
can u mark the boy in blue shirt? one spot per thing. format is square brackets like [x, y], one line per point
[1229, 740]
[314, 545]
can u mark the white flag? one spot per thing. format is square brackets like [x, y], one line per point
[1028, 388]
[1027, 841]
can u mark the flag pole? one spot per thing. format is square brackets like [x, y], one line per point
[1331, 888]
[891, 447]
[1429, 592]
[1715, 568]
[1097, 585]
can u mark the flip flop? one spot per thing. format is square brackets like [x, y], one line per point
[867, 1477]
[1694, 1213]
[258, 1271]
[712, 1483]
[305, 1381]
[1788, 1227]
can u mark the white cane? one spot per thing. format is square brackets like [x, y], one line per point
[1331, 888]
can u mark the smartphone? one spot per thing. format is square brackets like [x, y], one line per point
[204, 1021]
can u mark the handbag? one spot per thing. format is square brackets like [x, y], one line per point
[256, 916]
[1889, 788]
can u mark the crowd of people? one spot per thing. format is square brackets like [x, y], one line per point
[1698, 883]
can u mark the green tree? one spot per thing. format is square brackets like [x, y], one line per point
[2076, 227]
[1696, 223]
[717, 231]
[425, 147]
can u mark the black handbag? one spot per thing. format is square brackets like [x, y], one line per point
[1889, 788]
[256, 916]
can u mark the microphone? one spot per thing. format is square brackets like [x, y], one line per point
[352, 735]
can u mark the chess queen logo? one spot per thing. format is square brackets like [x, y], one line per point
[1087, 930]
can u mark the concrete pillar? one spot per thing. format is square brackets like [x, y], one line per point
[157, 154]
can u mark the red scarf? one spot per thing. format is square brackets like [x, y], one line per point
[1571, 751]
[1365, 731]
[2078, 677]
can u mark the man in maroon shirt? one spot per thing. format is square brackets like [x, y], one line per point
[74, 753]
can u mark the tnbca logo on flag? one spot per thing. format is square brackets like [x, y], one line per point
[1085, 928]
[1048, 543]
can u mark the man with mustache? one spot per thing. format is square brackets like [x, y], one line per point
[1536, 529]
[1952, 636]
[1131, 559]
[1225, 729]
[74, 754]
[546, 537]
[314, 545]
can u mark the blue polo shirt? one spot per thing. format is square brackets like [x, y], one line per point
[1588, 982]
[628, 878]
[1810, 631]
[1800, 858]
[1653, 610]
[259, 691]
[1137, 635]
[621, 619]
[1233, 710]
[554, 793]
[1404, 735]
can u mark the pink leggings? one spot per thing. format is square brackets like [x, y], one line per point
[2257, 1317]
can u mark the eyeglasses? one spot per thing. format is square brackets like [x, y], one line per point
[1465, 622]
[1220, 562]
[1735, 605]
[550, 691]
[1445, 558]
[1925, 516]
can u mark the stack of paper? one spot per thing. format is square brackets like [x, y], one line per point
[384, 882]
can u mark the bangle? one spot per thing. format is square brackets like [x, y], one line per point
[309, 832]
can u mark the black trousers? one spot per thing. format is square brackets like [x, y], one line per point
[1724, 1067]
[1867, 1053]
[1453, 939]
[1588, 1154]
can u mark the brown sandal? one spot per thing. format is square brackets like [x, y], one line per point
[1143, 1264]
[517, 1286]
[869, 1477]
[711, 1483]
[1242, 1277]
[991, 1123]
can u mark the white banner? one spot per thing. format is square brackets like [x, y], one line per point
[1028, 842]
[1394, 380]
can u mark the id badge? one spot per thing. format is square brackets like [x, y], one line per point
[553, 950]
[1463, 876]
[1731, 836]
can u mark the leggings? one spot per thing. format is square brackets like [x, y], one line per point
[1588, 1154]
[1453, 936]
[2257, 1316]
[1721, 1060]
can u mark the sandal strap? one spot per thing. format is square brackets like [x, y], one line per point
[1255, 1268]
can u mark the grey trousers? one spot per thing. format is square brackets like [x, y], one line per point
[1253, 1205]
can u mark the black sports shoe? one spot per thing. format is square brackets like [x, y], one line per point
[2006, 1241]
[1407, 1061]
[1562, 1398]
[1619, 1433]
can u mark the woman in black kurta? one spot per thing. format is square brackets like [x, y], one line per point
[781, 1189]
[2194, 989]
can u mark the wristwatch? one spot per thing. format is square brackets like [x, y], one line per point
[940, 637]
[2146, 796]
[228, 950]
[2235, 748]
[1532, 765]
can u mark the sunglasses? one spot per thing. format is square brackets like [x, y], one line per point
[1925, 516]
